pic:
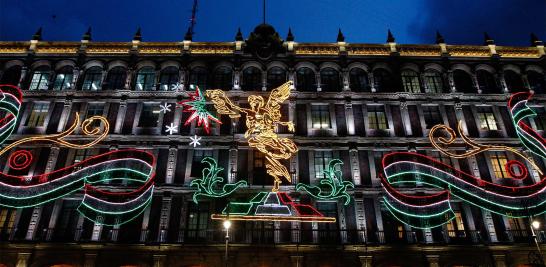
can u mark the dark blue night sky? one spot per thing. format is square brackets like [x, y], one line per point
[509, 22]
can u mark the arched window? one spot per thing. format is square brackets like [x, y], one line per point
[199, 76]
[358, 79]
[276, 76]
[115, 80]
[168, 79]
[145, 79]
[410, 81]
[329, 79]
[252, 79]
[383, 81]
[486, 82]
[513, 81]
[63, 79]
[223, 78]
[40, 78]
[12, 75]
[306, 80]
[434, 82]
[463, 82]
[537, 82]
[93, 79]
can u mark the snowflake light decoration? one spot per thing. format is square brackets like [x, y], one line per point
[171, 129]
[196, 105]
[195, 141]
[165, 108]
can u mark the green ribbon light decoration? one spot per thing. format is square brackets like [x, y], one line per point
[333, 179]
[206, 186]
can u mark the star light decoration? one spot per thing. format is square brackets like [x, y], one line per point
[196, 105]
[195, 141]
[171, 129]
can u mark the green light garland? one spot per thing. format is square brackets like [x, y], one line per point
[207, 185]
[333, 180]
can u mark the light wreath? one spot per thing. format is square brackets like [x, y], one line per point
[100, 206]
[434, 210]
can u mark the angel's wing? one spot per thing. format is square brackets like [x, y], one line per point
[277, 96]
[223, 105]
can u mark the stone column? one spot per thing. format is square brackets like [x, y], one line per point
[181, 80]
[90, 259]
[297, 261]
[503, 84]
[378, 217]
[471, 225]
[406, 120]
[75, 75]
[292, 78]
[24, 72]
[373, 172]
[372, 82]
[350, 120]
[487, 218]
[451, 81]
[475, 82]
[103, 79]
[428, 235]
[366, 260]
[460, 117]
[22, 259]
[499, 260]
[345, 79]
[64, 115]
[128, 79]
[120, 116]
[164, 219]
[237, 79]
[33, 224]
[423, 81]
[264, 80]
[433, 260]
[159, 260]
[317, 78]
[360, 219]
[53, 219]
[145, 222]
[232, 170]
[342, 222]
[525, 81]
[355, 167]
[171, 165]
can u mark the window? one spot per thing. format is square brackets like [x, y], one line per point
[276, 76]
[434, 82]
[328, 232]
[432, 116]
[442, 158]
[63, 80]
[11, 76]
[95, 109]
[383, 81]
[410, 81]
[145, 79]
[498, 161]
[7, 219]
[93, 79]
[198, 219]
[40, 79]
[486, 82]
[377, 119]
[358, 79]
[513, 81]
[537, 82]
[199, 76]
[329, 79]
[149, 115]
[252, 79]
[223, 78]
[321, 116]
[168, 79]
[455, 227]
[83, 154]
[37, 115]
[322, 158]
[305, 80]
[116, 78]
[463, 82]
[487, 119]
[196, 165]
[260, 176]
[540, 119]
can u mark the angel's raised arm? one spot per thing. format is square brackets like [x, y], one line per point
[223, 105]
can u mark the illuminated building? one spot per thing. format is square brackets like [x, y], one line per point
[353, 102]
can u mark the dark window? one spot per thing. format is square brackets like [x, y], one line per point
[260, 176]
[320, 115]
[168, 79]
[358, 79]
[513, 81]
[196, 165]
[199, 76]
[40, 79]
[223, 78]
[145, 79]
[306, 80]
[383, 81]
[11, 76]
[486, 82]
[116, 78]
[410, 81]
[330, 81]
[198, 220]
[432, 116]
[328, 232]
[276, 76]
[252, 79]
[537, 82]
[95, 109]
[63, 79]
[321, 160]
[149, 115]
[93, 78]
[463, 81]
[434, 82]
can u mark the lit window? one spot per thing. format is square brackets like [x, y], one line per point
[400, 230]
[432, 116]
[498, 161]
[321, 116]
[252, 79]
[322, 158]
[410, 81]
[168, 80]
[149, 115]
[305, 80]
[377, 118]
[63, 80]
[37, 115]
[455, 227]
[434, 82]
[329, 79]
[487, 119]
[93, 79]
[7, 220]
[223, 78]
[358, 80]
[116, 78]
[40, 79]
[145, 79]
[198, 156]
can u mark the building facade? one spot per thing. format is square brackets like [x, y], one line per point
[354, 102]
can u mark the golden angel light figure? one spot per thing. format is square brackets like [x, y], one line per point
[261, 119]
